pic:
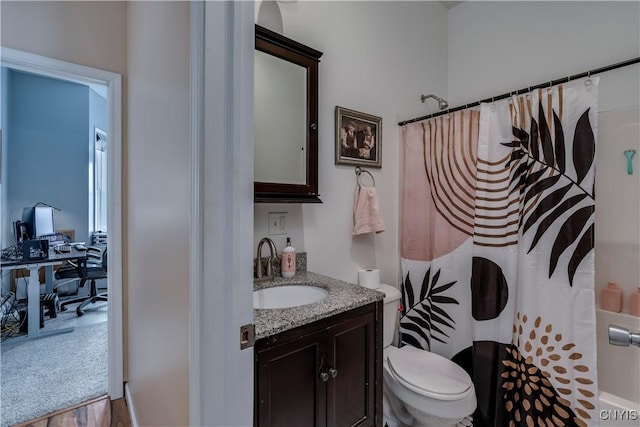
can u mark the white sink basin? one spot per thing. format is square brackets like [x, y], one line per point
[288, 296]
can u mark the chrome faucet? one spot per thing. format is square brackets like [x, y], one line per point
[622, 337]
[268, 274]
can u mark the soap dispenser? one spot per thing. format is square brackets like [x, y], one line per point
[611, 298]
[634, 302]
[288, 260]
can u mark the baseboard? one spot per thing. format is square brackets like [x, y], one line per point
[130, 405]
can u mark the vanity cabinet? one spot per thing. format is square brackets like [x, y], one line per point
[328, 373]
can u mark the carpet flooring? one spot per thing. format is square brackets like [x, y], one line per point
[48, 374]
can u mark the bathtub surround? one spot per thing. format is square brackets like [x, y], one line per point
[617, 203]
[506, 211]
[618, 367]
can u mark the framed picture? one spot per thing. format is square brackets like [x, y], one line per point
[358, 138]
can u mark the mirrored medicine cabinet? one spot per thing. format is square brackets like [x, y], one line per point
[286, 120]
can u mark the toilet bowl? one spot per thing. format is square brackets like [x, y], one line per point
[421, 388]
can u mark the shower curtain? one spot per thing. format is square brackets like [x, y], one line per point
[497, 252]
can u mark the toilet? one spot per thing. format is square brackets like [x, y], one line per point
[421, 388]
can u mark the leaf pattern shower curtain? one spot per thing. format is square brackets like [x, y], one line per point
[497, 252]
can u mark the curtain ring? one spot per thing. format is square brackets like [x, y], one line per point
[493, 104]
[588, 82]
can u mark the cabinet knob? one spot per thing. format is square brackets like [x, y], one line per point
[313, 126]
[333, 372]
[324, 376]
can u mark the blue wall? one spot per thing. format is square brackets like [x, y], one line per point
[97, 112]
[48, 149]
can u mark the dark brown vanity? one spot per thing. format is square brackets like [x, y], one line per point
[320, 364]
[322, 374]
[286, 119]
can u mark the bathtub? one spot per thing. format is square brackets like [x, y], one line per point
[618, 372]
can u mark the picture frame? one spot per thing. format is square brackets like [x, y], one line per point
[358, 138]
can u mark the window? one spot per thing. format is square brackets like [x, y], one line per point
[99, 199]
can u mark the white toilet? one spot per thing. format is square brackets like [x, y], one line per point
[421, 389]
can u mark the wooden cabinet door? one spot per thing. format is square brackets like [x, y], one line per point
[290, 391]
[351, 368]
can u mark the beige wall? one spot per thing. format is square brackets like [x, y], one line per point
[148, 44]
[87, 33]
[158, 211]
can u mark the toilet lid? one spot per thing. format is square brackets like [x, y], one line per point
[428, 373]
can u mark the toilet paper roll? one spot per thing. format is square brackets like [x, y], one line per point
[369, 278]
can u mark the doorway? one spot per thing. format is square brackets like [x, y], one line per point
[47, 67]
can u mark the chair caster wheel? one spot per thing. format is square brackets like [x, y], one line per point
[79, 312]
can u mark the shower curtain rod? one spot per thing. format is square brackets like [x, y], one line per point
[527, 89]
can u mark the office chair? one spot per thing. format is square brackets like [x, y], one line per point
[91, 269]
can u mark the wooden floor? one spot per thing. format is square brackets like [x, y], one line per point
[100, 412]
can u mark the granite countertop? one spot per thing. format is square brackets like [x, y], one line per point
[343, 296]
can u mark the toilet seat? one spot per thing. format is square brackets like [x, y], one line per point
[429, 374]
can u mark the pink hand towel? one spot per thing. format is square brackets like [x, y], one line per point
[366, 212]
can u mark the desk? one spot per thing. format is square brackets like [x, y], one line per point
[47, 274]
[33, 288]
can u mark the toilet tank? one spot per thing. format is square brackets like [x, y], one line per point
[390, 312]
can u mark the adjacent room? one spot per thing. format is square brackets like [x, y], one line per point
[54, 213]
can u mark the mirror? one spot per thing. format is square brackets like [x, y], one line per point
[285, 116]
[281, 144]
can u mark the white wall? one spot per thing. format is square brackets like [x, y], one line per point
[496, 47]
[378, 57]
[158, 211]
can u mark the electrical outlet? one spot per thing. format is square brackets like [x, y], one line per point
[277, 223]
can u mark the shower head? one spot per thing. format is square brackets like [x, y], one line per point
[442, 104]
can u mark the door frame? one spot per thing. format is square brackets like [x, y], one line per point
[49, 67]
[221, 213]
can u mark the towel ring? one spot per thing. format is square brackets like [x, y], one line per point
[359, 171]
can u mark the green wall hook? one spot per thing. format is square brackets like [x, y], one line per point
[629, 154]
